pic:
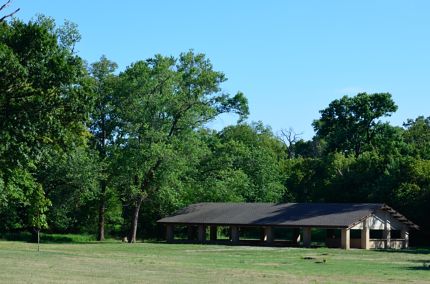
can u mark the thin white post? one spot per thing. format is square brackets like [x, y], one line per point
[405, 237]
[387, 231]
[365, 236]
[345, 239]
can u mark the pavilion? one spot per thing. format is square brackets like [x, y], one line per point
[373, 225]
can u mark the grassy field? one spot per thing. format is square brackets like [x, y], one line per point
[114, 262]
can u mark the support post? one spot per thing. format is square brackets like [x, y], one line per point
[307, 237]
[201, 235]
[191, 232]
[234, 234]
[345, 239]
[169, 233]
[365, 236]
[262, 234]
[268, 235]
[213, 233]
[387, 232]
[330, 236]
[296, 236]
[405, 237]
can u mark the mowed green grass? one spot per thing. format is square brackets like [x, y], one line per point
[115, 262]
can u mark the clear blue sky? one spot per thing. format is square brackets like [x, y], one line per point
[290, 58]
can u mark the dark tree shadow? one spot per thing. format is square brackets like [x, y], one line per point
[423, 250]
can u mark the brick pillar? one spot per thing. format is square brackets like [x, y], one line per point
[307, 237]
[365, 236]
[169, 233]
[234, 230]
[345, 239]
[213, 233]
[201, 234]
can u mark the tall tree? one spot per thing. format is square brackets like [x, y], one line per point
[260, 155]
[43, 105]
[102, 128]
[163, 100]
[349, 124]
[242, 163]
[417, 135]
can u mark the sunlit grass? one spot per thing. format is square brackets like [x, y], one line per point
[115, 262]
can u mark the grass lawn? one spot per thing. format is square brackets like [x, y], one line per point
[115, 262]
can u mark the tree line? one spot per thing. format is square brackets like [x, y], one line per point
[87, 149]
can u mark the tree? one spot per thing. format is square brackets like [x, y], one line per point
[241, 163]
[417, 135]
[309, 149]
[43, 97]
[304, 179]
[290, 138]
[411, 193]
[349, 125]
[37, 211]
[70, 182]
[162, 101]
[43, 107]
[102, 129]
[260, 156]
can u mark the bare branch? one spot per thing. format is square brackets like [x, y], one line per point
[5, 5]
[289, 137]
[8, 15]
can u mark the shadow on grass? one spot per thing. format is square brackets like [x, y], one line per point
[424, 261]
[56, 239]
[419, 268]
[421, 250]
[47, 238]
[425, 265]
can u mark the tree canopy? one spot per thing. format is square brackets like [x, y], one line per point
[43, 107]
[351, 124]
[85, 148]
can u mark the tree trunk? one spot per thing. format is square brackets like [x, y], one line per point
[145, 188]
[134, 220]
[102, 210]
[38, 240]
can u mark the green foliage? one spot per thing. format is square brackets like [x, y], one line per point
[70, 182]
[24, 202]
[349, 125]
[102, 127]
[412, 192]
[160, 103]
[82, 149]
[260, 155]
[44, 104]
[417, 135]
[38, 208]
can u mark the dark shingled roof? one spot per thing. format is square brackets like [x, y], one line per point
[339, 215]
